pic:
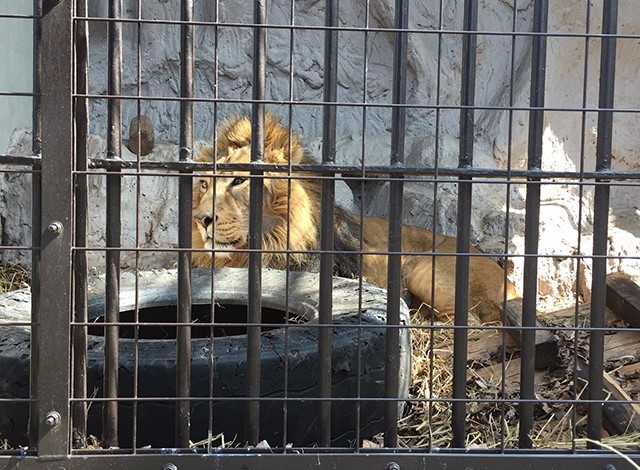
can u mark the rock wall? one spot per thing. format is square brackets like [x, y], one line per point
[365, 76]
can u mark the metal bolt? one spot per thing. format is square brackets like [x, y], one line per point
[609, 467]
[169, 466]
[55, 228]
[392, 466]
[53, 419]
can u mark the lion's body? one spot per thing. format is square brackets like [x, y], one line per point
[291, 234]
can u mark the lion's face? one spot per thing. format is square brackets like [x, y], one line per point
[225, 198]
[221, 202]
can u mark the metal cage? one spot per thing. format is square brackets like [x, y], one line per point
[61, 411]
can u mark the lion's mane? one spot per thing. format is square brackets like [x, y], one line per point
[293, 205]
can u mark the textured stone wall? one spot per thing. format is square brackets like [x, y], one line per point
[365, 75]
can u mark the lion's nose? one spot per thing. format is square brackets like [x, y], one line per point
[205, 221]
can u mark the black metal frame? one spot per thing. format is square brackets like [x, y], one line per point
[60, 167]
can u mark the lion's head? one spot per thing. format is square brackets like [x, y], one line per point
[221, 201]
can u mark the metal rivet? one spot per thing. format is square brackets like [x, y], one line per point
[169, 466]
[55, 228]
[392, 466]
[53, 419]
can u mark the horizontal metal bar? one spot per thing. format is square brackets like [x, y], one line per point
[293, 459]
[20, 160]
[354, 172]
[491, 400]
[20, 16]
[350, 104]
[28, 94]
[348, 326]
[356, 252]
[301, 27]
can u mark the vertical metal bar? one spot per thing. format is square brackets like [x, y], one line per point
[36, 220]
[80, 267]
[507, 210]
[363, 152]
[285, 393]
[532, 220]
[601, 216]
[212, 360]
[575, 347]
[112, 291]
[183, 366]
[394, 273]
[434, 214]
[136, 319]
[256, 188]
[325, 305]
[461, 315]
[54, 302]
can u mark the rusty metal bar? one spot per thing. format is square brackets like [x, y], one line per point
[532, 220]
[112, 301]
[80, 267]
[183, 349]
[370, 171]
[394, 271]
[212, 358]
[53, 303]
[256, 188]
[465, 187]
[601, 217]
[326, 224]
[286, 345]
[36, 219]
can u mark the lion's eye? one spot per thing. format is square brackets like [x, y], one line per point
[238, 180]
[204, 185]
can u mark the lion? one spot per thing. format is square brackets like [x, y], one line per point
[291, 229]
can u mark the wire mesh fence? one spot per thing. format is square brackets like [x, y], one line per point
[334, 233]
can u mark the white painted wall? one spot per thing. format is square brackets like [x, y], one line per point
[16, 51]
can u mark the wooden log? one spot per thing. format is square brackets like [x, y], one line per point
[141, 135]
[546, 342]
[623, 297]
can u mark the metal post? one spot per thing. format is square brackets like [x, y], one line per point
[326, 224]
[461, 315]
[36, 219]
[532, 220]
[80, 267]
[394, 274]
[183, 360]
[112, 291]
[256, 188]
[601, 218]
[53, 305]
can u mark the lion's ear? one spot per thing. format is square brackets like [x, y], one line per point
[205, 155]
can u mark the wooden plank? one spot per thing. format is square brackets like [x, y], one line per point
[630, 370]
[623, 297]
[620, 418]
[492, 375]
[565, 315]
[481, 348]
[622, 345]
[546, 342]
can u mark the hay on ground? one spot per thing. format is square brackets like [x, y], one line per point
[13, 276]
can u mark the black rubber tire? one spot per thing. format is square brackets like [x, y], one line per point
[156, 362]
